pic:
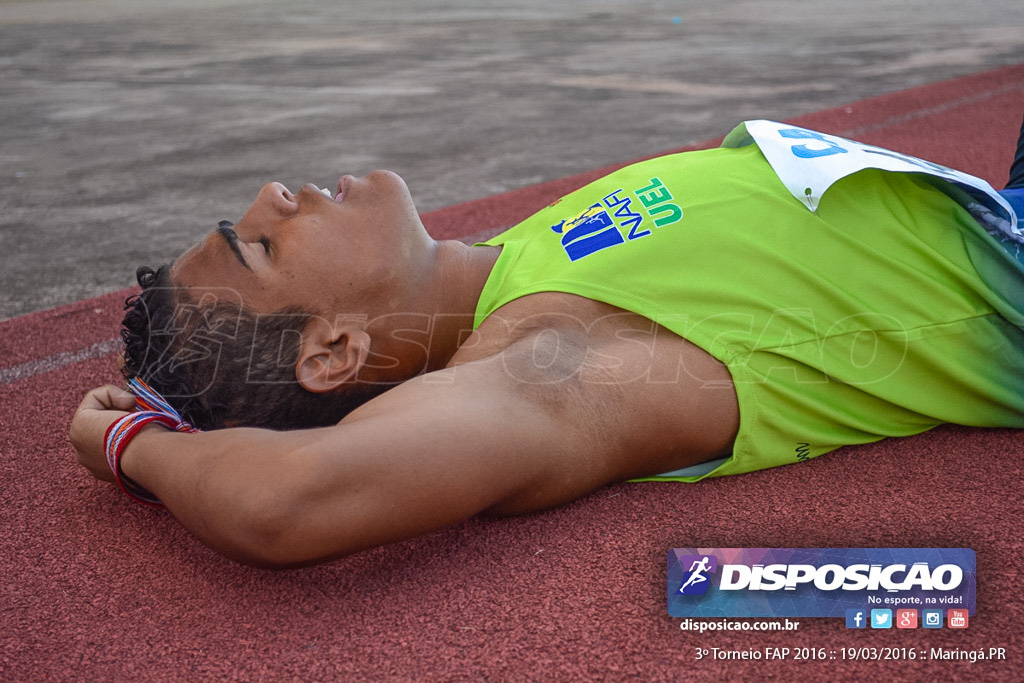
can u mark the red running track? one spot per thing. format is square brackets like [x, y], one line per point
[96, 587]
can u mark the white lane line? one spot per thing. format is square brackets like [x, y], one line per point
[930, 111]
[58, 360]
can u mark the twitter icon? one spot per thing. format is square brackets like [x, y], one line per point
[881, 618]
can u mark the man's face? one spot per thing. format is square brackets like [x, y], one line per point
[310, 251]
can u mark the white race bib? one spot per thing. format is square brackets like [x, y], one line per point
[808, 163]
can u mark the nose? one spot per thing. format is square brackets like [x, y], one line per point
[278, 198]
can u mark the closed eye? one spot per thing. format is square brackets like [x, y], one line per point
[225, 231]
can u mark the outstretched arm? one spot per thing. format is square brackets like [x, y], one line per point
[425, 455]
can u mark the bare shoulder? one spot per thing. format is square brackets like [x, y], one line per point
[555, 396]
[484, 433]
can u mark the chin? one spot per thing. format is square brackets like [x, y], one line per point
[387, 177]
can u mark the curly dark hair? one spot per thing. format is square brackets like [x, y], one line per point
[220, 365]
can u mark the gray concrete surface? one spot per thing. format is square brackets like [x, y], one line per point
[129, 127]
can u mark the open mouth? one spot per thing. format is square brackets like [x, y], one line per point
[327, 193]
[339, 194]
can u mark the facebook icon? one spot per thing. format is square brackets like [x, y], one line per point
[856, 618]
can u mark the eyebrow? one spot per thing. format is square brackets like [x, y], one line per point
[229, 235]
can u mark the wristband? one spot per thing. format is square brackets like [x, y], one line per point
[152, 407]
[116, 441]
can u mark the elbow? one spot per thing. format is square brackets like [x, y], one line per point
[267, 532]
[274, 516]
[261, 541]
[285, 529]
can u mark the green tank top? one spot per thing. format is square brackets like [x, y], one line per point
[650, 238]
[713, 247]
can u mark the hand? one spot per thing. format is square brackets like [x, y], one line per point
[99, 409]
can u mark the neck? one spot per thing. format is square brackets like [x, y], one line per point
[460, 276]
[437, 312]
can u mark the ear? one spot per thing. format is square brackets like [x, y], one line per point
[331, 355]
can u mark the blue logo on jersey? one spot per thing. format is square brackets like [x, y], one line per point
[614, 220]
[591, 231]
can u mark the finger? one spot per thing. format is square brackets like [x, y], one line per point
[87, 431]
[120, 399]
[92, 400]
[107, 397]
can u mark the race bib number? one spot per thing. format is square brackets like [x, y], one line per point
[808, 163]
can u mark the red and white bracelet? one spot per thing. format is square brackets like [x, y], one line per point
[116, 441]
[152, 407]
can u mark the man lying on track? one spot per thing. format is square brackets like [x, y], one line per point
[324, 377]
